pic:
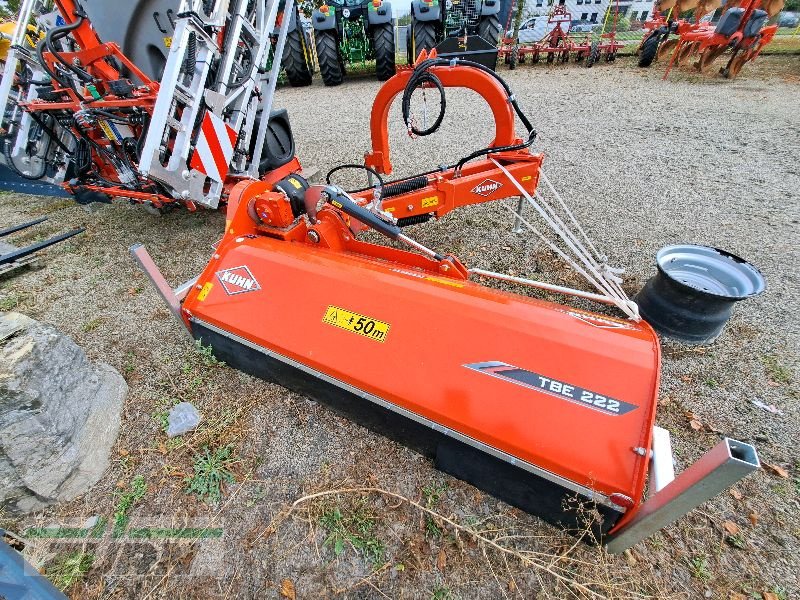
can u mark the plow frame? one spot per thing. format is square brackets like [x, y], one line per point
[165, 173]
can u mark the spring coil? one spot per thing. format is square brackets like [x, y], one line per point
[415, 220]
[403, 187]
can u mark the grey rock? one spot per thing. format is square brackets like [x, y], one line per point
[59, 415]
[183, 417]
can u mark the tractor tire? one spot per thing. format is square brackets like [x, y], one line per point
[296, 59]
[649, 50]
[594, 55]
[424, 38]
[383, 42]
[330, 64]
[489, 28]
[513, 58]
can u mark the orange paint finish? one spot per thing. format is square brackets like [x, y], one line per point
[436, 330]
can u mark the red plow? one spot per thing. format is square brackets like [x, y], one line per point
[741, 33]
[560, 45]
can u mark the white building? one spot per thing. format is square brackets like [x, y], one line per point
[592, 11]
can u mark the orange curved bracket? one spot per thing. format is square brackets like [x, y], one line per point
[457, 76]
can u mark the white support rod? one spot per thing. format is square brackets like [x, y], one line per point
[10, 69]
[542, 285]
[266, 102]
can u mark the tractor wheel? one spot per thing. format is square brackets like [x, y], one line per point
[649, 50]
[667, 48]
[424, 38]
[550, 57]
[296, 58]
[594, 55]
[708, 57]
[513, 58]
[330, 65]
[383, 42]
[489, 28]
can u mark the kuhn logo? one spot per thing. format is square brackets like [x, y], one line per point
[487, 187]
[237, 280]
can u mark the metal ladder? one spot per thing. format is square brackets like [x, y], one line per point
[186, 89]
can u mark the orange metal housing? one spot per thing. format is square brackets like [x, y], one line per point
[529, 400]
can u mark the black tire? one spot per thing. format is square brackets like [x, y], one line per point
[649, 50]
[513, 58]
[594, 55]
[330, 67]
[383, 42]
[296, 59]
[489, 29]
[424, 38]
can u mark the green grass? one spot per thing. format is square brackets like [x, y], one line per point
[775, 370]
[93, 324]
[356, 528]
[432, 494]
[69, 568]
[206, 354]
[699, 568]
[211, 472]
[440, 592]
[12, 301]
[127, 500]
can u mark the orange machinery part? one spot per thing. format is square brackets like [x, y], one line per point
[528, 399]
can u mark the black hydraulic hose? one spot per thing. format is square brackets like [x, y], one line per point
[56, 34]
[363, 168]
[415, 82]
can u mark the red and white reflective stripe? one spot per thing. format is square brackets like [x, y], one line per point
[214, 148]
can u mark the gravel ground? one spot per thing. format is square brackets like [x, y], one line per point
[643, 163]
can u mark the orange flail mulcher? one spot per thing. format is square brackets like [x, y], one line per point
[532, 401]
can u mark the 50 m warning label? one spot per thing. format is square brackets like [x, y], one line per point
[357, 323]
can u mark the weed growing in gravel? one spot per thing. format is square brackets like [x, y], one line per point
[12, 301]
[206, 354]
[441, 593]
[69, 568]
[93, 324]
[432, 494]
[699, 566]
[775, 370]
[211, 471]
[135, 492]
[355, 527]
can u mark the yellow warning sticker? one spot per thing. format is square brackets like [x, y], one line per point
[445, 281]
[168, 42]
[205, 291]
[366, 326]
[527, 178]
[430, 201]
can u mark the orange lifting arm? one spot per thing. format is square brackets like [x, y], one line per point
[456, 76]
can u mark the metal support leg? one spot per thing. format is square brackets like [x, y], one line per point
[517, 220]
[718, 469]
[163, 288]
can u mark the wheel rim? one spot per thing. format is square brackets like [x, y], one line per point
[666, 48]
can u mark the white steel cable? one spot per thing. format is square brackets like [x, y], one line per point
[591, 264]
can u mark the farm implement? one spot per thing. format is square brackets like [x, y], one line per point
[741, 32]
[165, 104]
[559, 44]
[535, 402]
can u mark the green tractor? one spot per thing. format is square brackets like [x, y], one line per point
[434, 21]
[353, 31]
[298, 55]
